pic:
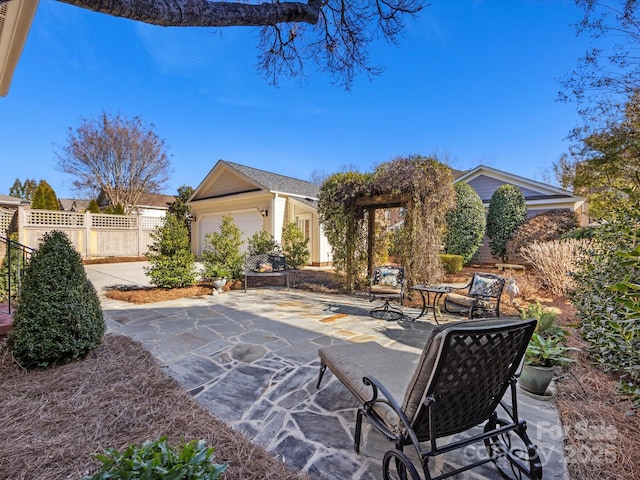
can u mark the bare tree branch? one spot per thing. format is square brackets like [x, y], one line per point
[333, 35]
[122, 158]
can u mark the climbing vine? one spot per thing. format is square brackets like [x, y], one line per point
[426, 187]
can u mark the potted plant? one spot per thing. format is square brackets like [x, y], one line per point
[219, 275]
[542, 356]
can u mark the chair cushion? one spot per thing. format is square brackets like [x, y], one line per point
[482, 286]
[385, 290]
[461, 300]
[353, 361]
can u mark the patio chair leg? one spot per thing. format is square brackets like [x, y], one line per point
[358, 432]
[323, 367]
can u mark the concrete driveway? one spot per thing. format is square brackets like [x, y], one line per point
[251, 360]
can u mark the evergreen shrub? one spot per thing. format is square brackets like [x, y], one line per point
[262, 243]
[295, 246]
[172, 264]
[465, 224]
[58, 318]
[507, 211]
[452, 263]
[222, 250]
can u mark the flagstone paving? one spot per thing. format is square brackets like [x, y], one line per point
[251, 360]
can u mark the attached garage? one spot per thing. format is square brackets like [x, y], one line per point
[248, 221]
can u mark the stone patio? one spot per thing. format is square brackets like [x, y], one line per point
[251, 360]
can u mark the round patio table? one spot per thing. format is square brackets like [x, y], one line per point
[431, 294]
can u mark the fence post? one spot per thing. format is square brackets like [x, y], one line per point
[88, 220]
[140, 235]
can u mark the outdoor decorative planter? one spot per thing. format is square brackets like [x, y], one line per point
[218, 283]
[535, 379]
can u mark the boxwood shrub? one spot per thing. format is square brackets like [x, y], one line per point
[58, 318]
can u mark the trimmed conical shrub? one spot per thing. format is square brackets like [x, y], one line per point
[58, 318]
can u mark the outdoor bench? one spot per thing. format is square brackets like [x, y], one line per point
[266, 265]
[509, 266]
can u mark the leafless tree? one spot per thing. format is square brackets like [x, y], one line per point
[332, 34]
[121, 157]
[608, 74]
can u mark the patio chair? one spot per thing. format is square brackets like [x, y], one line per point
[387, 283]
[482, 299]
[458, 383]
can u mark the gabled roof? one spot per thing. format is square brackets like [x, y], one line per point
[73, 204]
[9, 201]
[277, 183]
[532, 189]
[157, 200]
[252, 179]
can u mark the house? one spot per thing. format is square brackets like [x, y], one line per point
[257, 200]
[15, 22]
[73, 204]
[149, 204]
[539, 197]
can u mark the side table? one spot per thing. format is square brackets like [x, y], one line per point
[430, 295]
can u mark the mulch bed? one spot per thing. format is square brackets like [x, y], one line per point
[54, 421]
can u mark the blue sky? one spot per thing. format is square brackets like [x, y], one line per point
[473, 80]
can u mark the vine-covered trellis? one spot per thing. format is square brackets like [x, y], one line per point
[421, 185]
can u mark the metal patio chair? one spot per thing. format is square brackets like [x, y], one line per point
[387, 283]
[482, 298]
[458, 383]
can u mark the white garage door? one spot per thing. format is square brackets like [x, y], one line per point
[248, 223]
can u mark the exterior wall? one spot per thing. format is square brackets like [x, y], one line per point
[485, 187]
[279, 208]
[213, 207]
[93, 235]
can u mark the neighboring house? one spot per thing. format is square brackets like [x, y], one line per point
[257, 200]
[149, 204]
[11, 203]
[73, 205]
[8, 207]
[15, 22]
[539, 197]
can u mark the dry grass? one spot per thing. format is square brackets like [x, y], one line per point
[140, 295]
[602, 433]
[55, 420]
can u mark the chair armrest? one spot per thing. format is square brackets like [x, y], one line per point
[376, 387]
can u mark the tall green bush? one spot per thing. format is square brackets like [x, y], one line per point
[222, 250]
[44, 197]
[93, 206]
[295, 245]
[604, 295]
[58, 318]
[507, 211]
[262, 242]
[172, 264]
[465, 224]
